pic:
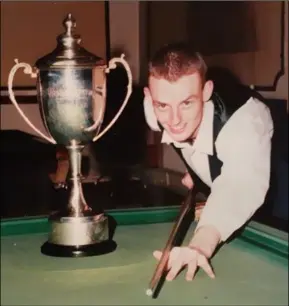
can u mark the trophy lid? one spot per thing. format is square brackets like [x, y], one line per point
[68, 52]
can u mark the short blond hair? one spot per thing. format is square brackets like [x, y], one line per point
[173, 61]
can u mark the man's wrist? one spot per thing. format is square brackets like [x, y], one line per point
[205, 239]
[198, 250]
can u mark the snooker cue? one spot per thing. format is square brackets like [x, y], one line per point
[185, 208]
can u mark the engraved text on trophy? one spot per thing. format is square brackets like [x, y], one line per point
[73, 106]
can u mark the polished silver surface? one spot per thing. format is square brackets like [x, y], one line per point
[71, 91]
[68, 51]
[70, 231]
[77, 205]
[72, 103]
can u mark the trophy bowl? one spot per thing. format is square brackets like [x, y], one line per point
[71, 93]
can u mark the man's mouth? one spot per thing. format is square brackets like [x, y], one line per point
[177, 130]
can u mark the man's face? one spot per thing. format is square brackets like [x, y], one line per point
[178, 106]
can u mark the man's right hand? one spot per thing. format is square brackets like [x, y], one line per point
[187, 181]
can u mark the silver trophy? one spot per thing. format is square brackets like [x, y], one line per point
[71, 92]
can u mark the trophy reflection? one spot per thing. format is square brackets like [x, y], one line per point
[71, 92]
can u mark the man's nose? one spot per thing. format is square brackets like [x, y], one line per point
[175, 117]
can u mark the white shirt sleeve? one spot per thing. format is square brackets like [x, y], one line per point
[244, 147]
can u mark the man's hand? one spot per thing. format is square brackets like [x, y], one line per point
[187, 181]
[185, 256]
[196, 254]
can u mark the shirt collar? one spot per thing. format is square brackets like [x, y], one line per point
[204, 140]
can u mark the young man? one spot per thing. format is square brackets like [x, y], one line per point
[226, 145]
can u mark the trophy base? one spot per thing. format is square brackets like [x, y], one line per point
[96, 249]
[86, 235]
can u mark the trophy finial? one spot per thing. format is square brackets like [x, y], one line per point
[69, 24]
[68, 51]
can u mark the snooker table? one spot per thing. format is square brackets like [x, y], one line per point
[252, 269]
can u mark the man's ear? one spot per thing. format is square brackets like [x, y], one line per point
[147, 93]
[208, 90]
[149, 111]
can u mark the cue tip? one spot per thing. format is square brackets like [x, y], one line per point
[149, 292]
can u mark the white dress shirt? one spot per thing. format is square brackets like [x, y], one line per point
[244, 147]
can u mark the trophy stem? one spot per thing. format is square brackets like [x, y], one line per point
[78, 231]
[77, 204]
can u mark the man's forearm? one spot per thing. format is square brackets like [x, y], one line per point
[206, 238]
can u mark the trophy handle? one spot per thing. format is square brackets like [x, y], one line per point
[27, 70]
[112, 65]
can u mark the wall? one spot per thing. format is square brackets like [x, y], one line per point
[127, 33]
[167, 23]
[282, 86]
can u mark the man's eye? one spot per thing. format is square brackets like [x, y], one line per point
[188, 103]
[161, 105]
